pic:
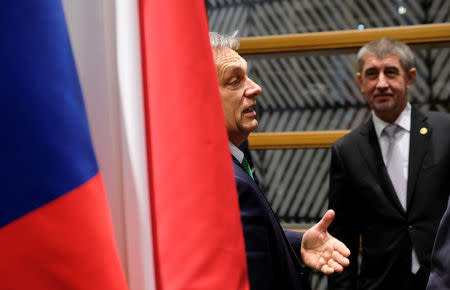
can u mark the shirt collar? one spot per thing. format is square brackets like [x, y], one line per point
[238, 154]
[403, 121]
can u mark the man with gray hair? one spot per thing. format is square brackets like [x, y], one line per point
[389, 180]
[274, 259]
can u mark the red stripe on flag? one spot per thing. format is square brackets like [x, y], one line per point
[66, 244]
[198, 238]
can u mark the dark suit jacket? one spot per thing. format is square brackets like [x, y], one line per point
[440, 261]
[272, 262]
[366, 204]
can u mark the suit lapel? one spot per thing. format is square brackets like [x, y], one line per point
[370, 150]
[418, 147]
[239, 163]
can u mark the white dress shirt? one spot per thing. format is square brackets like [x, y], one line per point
[236, 152]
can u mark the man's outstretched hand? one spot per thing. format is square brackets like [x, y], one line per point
[321, 251]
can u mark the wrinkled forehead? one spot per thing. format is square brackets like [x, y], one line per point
[373, 61]
[226, 58]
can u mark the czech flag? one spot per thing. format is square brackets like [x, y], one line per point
[55, 224]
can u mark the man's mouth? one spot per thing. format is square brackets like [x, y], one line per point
[384, 95]
[250, 109]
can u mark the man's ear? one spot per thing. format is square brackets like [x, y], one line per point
[359, 78]
[410, 77]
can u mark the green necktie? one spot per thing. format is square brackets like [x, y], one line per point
[247, 167]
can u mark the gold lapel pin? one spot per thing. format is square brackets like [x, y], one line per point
[423, 131]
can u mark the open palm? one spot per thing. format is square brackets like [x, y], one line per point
[321, 251]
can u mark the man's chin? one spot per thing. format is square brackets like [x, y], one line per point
[250, 127]
[384, 106]
[254, 125]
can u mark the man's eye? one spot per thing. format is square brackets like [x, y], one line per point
[371, 74]
[391, 72]
[235, 81]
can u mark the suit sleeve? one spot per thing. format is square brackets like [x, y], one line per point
[440, 261]
[345, 225]
[295, 240]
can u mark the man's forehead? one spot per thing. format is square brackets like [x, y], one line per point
[226, 57]
[391, 60]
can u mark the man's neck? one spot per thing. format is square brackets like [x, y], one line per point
[237, 141]
[236, 152]
[390, 117]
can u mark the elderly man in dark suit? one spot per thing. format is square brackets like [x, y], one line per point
[275, 259]
[440, 260]
[389, 179]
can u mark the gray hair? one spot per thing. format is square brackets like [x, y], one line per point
[221, 40]
[383, 47]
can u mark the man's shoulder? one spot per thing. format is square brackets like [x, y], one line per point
[438, 116]
[437, 120]
[354, 136]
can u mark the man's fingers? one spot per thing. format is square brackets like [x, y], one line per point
[326, 220]
[331, 268]
[326, 269]
[341, 248]
[335, 265]
[341, 260]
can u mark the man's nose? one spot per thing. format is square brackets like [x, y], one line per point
[382, 82]
[253, 89]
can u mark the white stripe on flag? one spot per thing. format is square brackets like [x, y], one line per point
[137, 206]
[105, 40]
